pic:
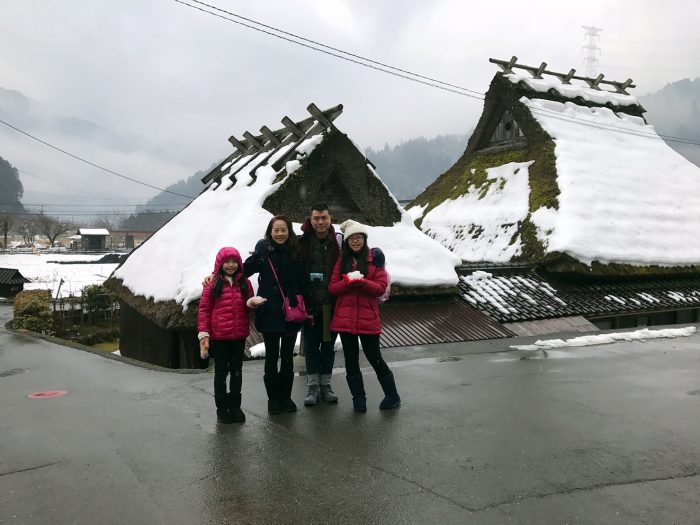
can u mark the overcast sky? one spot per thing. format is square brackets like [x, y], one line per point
[168, 84]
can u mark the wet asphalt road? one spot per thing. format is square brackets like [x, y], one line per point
[607, 434]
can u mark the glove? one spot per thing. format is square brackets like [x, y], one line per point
[292, 300]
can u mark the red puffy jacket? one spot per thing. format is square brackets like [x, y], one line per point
[357, 308]
[225, 317]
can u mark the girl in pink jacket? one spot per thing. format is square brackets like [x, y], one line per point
[223, 325]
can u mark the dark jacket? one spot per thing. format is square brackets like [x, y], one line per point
[269, 318]
[306, 242]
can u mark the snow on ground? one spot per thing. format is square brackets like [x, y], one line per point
[601, 339]
[46, 274]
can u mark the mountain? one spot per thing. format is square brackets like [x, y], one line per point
[674, 111]
[409, 167]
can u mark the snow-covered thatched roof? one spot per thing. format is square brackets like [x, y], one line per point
[170, 265]
[565, 171]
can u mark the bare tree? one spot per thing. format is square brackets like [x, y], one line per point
[7, 222]
[28, 227]
[51, 227]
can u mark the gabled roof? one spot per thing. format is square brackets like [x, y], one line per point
[12, 276]
[93, 231]
[585, 180]
[234, 210]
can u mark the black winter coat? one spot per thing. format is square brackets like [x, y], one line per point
[269, 318]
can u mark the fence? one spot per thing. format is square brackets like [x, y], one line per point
[77, 311]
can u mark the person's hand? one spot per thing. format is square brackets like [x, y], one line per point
[292, 300]
[255, 302]
[204, 348]
[357, 283]
[208, 280]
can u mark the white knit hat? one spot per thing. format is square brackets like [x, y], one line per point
[351, 227]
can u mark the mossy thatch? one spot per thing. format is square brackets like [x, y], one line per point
[166, 314]
[469, 172]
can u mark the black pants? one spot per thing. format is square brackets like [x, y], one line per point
[228, 359]
[284, 352]
[370, 346]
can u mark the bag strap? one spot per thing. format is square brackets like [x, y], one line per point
[272, 267]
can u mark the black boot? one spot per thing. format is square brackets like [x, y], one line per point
[234, 407]
[357, 389]
[286, 383]
[223, 414]
[274, 405]
[391, 396]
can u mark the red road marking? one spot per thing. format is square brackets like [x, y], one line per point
[47, 394]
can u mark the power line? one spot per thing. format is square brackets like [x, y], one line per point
[435, 84]
[402, 73]
[91, 163]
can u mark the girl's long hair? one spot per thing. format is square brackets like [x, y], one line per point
[348, 257]
[291, 243]
[237, 280]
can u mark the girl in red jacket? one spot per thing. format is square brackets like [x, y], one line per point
[222, 322]
[358, 281]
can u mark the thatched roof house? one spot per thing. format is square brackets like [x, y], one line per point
[282, 171]
[565, 172]
[564, 177]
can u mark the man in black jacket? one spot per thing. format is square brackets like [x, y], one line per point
[320, 251]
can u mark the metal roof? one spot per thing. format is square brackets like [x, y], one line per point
[411, 322]
[12, 276]
[523, 296]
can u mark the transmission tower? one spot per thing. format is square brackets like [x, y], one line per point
[591, 50]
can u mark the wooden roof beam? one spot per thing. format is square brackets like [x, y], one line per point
[254, 143]
[594, 82]
[506, 67]
[538, 73]
[622, 87]
[567, 78]
[292, 128]
[237, 144]
[319, 115]
[270, 136]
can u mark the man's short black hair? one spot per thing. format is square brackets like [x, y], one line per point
[320, 206]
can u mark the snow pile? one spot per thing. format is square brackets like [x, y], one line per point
[577, 88]
[590, 340]
[173, 262]
[481, 224]
[625, 196]
[46, 272]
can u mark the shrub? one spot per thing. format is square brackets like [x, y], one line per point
[96, 297]
[32, 311]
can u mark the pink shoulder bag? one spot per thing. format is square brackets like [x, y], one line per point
[292, 314]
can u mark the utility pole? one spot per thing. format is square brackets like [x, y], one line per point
[591, 51]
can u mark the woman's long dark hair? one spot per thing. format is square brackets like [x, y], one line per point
[348, 257]
[237, 280]
[291, 243]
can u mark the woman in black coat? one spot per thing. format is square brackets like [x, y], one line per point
[278, 249]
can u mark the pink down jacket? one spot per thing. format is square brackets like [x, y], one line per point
[226, 317]
[357, 309]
